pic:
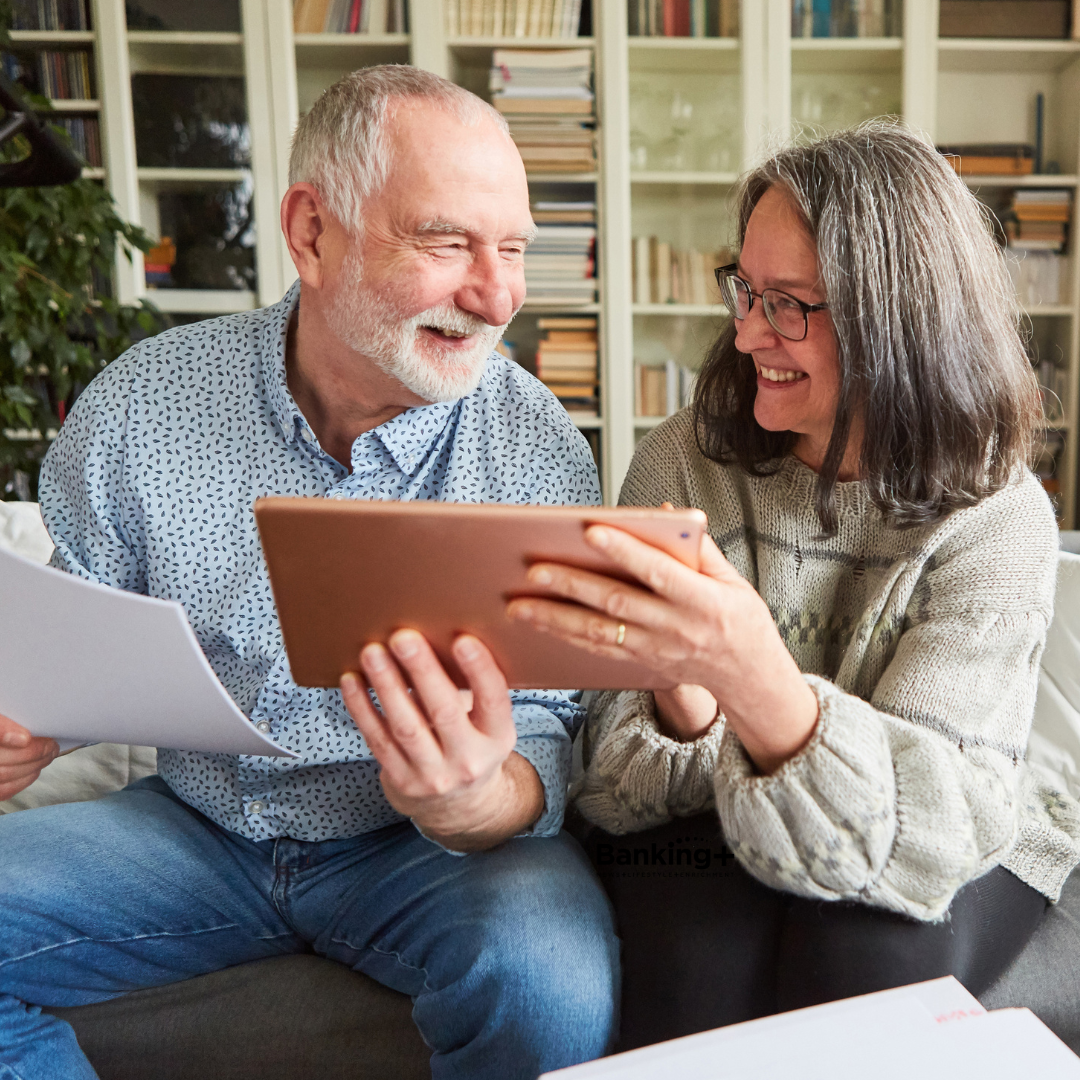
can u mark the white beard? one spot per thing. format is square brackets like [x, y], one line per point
[370, 325]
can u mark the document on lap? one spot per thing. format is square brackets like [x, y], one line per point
[933, 1030]
[81, 662]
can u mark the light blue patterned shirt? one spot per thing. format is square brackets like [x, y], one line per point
[150, 485]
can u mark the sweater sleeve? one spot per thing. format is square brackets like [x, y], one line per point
[899, 800]
[635, 776]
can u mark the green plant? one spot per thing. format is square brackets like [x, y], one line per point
[59, 325]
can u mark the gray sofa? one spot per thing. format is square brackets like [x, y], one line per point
[303, 1016]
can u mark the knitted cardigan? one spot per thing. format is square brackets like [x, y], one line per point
[922, 646]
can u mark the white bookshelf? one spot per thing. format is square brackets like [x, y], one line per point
[956, 90]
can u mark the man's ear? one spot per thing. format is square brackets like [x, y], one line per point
[304, 222]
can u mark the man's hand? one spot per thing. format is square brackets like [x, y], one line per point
[22, 757]
[446, 755]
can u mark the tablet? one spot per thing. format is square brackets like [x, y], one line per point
[348, 572]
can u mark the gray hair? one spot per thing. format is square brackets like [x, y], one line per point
[926, 320]
[341, 146]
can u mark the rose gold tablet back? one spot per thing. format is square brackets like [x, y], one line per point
[348, 572]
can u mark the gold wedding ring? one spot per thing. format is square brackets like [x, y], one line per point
[620, 637]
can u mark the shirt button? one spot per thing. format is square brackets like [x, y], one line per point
[309, 435]
[256, 806]
[337, 495]
[264, 727]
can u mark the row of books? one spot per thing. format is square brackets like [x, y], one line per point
[566, 361]
[683, 18]
[1038, 277]
[85, 135]
[550, 212]
[665, 275]
[845, 18]
[350, 16]
[65, 76]
[50, 15]
[991, 159]
[662, 389]
[547, 99]
[513, 18]
[560, 265]
[158, 264]
[1039, 219]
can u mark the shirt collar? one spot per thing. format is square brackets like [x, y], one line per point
[411, 435]
[274, 336]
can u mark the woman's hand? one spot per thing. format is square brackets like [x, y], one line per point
[709, 629]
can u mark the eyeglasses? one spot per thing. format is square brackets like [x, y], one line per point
[787, 314]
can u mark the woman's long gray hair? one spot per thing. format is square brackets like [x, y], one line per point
[926, 320]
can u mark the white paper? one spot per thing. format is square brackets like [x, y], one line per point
[918, 1032]
[81, 662]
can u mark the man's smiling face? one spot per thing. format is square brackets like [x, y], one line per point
[438, 271]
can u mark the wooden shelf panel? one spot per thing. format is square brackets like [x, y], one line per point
[988, 55]
[694, 179]
[688, 44]
[717, 310]
[202, 301]
[192, 176]
[52, 37]
[66, 105]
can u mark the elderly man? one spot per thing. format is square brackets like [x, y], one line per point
[420, 843]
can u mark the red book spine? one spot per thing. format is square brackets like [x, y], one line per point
[669, 18]
[354, 16]
[682, 18]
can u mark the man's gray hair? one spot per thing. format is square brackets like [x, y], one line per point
[341, 146]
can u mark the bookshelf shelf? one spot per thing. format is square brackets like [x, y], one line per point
[91, 173]
[586, 422]
[343, 52]
[691, 179]
[359, 41]
[185, 53]
[643, 423]
[716, 310]
[504, 42]
[562, 177]
[202, 301]
[78, 105]
[1049, 180]
[192, 176]
[52, 37]
[831, 56]
[1050, 311]
[988, 55]
[678, 44]
[538, 307]
[846, 44]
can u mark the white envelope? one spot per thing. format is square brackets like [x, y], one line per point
[81, 662]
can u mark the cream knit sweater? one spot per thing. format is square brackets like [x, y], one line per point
[922, 646]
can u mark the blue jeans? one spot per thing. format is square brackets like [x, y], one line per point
[510, 955]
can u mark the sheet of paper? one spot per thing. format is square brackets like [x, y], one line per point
[912, 1031]
[81, 662]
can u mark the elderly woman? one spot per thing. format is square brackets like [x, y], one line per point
[855, 664]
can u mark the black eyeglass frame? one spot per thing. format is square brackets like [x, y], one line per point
[807, 309]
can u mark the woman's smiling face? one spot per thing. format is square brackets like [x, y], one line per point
[798, 381]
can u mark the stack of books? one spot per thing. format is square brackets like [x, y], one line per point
[566, 362]
[560, 265]
[991, 159]
[547, 100]
[513, 18]
[50, 15]
[158, 264]
[1039, 219]
[845, 18]
[546, 212]
[664, 275]
[350, 17]
[683, 18]
[85, 136]
[662, 389]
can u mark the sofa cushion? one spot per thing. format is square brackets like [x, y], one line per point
[279, 1019]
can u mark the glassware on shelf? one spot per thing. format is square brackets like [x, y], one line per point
[191, 15]
[211, 229]
[191, 121]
